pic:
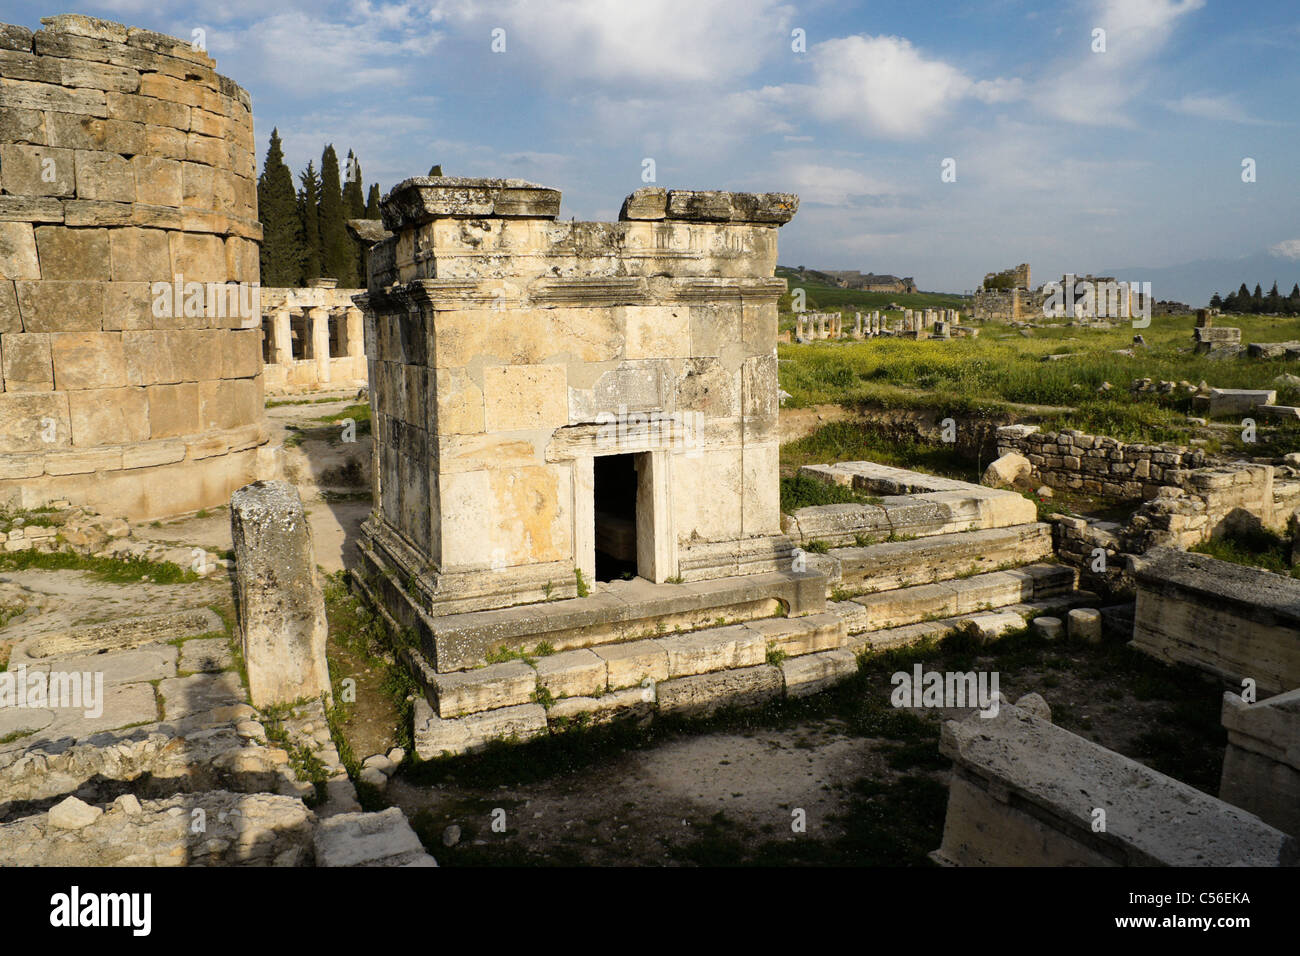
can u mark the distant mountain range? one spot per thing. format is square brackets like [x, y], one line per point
[1195, 282]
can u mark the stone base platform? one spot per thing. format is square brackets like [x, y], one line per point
[693, 673]
[618, 611]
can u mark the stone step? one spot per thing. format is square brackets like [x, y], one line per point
[981, 592]
[893, 637]
[604, 670]
[688, 675]
[625, 610]
[899, 564]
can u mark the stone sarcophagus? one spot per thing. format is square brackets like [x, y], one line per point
[559, 403]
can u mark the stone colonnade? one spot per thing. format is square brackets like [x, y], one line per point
[812, 326]
[312, 338]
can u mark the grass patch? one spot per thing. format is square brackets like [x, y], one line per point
[1254, 547]
[116, 570]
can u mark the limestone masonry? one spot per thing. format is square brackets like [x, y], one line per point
[130, 365]
[545, 392]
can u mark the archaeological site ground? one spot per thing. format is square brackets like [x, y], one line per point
[501, 519]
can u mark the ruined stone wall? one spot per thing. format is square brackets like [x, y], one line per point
[508, 350]
[1007, 305]
[1206, 503]
[125, 161]
[1096, 464]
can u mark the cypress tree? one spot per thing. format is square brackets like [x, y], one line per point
[309, 214]
[282, 248]
[1274, 301]
[354, 205]
[372, 202]
[338, 255]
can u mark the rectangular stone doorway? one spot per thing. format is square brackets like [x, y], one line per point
[615, 493]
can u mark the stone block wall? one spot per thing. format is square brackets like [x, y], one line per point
[508, 350]
[125, 162]
[1206, 503]
[1096, 464]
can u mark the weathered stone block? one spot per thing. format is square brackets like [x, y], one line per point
[810, 673]
[435, 736]
[713, 649]
[571, 673]
[88, 360]
[173, 410]
[108, 416]
[704, 694]
[27, 365]
[634, 662]
[524, 396]
[18, 251]
[485, 688]
[281, 606]
[104, 176]
[72, 253]
[33, 421]
[37, 170]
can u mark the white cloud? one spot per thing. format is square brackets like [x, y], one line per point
[664, 42]
[1094, 88]
[882, 84]
[1286, 249]
[1220, 108]
[819, 184]
[304, 53]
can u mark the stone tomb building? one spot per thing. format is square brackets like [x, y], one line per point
[562, 403]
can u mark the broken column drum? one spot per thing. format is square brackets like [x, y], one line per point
[561, 402]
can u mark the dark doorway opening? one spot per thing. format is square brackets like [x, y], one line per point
[615, 494]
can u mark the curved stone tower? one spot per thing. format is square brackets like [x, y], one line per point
[130, 355]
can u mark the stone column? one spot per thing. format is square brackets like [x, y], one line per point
[356, 341]
[281, 606]
[283, 341]
[319, 322]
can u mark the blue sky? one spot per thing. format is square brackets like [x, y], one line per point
[1070, 159]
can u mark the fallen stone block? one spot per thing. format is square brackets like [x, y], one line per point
[1007, 471]
[369, 839]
